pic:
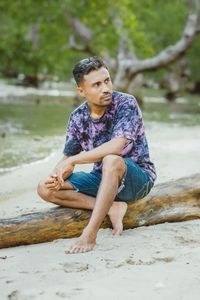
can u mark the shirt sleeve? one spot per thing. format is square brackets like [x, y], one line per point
[72, 143]
[128, 120]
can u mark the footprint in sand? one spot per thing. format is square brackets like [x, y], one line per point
[75, 267]
[186, 241]
[61, 294]
[130, 261]
[125, 262]
[70, 293]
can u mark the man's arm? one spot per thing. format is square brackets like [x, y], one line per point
[54, 171]
[113, 146]
[66, 167]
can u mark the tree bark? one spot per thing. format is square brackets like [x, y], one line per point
[173, 201]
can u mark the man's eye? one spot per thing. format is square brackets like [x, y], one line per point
[97, 84]
[107, 80]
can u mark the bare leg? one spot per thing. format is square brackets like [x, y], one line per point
[116, 214]
[113, 171]
[67, 197]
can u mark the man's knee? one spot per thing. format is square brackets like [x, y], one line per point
[44, 192]
[114, 164]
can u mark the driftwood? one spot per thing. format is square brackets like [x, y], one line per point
[169, 202]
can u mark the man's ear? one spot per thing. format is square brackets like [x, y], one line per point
[80, 91]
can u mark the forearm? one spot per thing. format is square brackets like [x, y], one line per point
[58, 164]
[114, 146]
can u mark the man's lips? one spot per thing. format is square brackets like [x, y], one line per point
[107, 97]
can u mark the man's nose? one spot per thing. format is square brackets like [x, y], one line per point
[105, 88]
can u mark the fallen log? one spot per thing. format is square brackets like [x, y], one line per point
[173, 201]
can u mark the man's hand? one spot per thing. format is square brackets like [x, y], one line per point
[52, 182]
[64, 170]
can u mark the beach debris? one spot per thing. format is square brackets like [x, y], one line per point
[166, 259]
[61, 294]
[14, 295]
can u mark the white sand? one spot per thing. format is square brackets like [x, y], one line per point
[155, 262]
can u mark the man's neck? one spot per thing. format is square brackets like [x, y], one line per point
[97, 112]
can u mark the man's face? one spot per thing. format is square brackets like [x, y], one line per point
[97, 88]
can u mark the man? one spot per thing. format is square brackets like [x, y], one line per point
[106, 130]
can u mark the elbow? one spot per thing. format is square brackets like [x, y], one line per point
[118, 151]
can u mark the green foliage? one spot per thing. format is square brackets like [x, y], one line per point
[31, 42]
[35, 34]
[163, 21]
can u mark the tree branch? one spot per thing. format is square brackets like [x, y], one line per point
[82, 32]
[131, 67]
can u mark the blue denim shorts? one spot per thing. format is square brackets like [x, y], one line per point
[135, 184]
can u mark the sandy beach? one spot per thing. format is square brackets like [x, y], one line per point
[155, 262]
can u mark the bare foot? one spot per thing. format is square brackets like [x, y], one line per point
[116, 215]
[84, 243]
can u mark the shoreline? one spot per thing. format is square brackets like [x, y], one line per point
[9, 170]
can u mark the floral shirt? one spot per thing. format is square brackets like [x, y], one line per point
[122, 118]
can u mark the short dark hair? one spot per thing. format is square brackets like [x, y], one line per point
[85, 66]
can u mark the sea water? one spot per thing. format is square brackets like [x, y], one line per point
[33, 126]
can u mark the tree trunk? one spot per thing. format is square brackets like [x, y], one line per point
[176, 79]
[173, 201]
